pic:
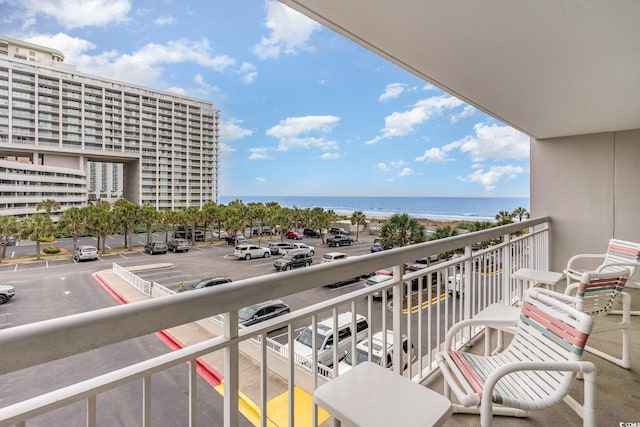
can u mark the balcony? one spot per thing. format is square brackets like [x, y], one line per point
[256, 368]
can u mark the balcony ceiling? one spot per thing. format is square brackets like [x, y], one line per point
[547, 68]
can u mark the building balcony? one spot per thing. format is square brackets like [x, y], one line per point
[257, 369]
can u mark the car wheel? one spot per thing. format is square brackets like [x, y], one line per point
[247, 257]
[174, 250]
[287, 267]
[266, 255]
[3, 299]
[312, 253]
[350, 242]
[337, 244]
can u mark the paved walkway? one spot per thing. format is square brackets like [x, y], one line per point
[211, 365]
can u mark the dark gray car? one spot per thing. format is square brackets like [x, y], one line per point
[262, 311]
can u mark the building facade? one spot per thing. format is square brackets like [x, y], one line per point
[54, 121]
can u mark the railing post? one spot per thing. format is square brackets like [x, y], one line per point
[231, 370]
[506, 269]
[468, 294]
[398, 296]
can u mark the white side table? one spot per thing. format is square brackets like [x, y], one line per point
[370, 395]
[498, 311]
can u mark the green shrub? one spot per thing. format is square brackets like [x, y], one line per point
[50, 250]
[47, 239]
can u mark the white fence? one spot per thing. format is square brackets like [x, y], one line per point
[140, 284]
[419, 307]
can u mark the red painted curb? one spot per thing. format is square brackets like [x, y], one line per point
[210, 375]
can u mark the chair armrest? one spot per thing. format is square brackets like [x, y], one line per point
[582, 366]
[618, 264]
[579, 257]
[497, 324]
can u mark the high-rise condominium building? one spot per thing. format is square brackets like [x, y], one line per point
[54, 120]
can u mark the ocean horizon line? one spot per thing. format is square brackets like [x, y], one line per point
[433, 208]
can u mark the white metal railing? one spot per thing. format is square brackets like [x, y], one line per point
[140, 284]
[484, 276]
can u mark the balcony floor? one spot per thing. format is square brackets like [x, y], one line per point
[618, 389]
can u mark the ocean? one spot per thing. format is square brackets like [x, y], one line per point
[436, 208]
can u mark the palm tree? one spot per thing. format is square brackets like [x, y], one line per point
[36, 227]
[8, 227]
[358, 219]
[258, 211]
[504, 217]
[48, 205]
[443, 232]
[148, 215]
[327, 218]
[99, 222]
[520, 213]
[72, 221]
[192, 216]
[210, 214]
[401, 230]
[126, 216]
[171, 218]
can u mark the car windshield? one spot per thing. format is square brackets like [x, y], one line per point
[361, 356]
[306, 338]
[247, 312]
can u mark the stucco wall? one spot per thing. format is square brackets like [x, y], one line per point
[589, 185]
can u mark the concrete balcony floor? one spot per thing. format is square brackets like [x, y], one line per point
[618, 389]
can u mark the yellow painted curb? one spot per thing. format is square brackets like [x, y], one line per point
[425, 304]
[247, 407]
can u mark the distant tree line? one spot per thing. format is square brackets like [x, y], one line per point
[101, 219]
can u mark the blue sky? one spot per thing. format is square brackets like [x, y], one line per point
[304, 111]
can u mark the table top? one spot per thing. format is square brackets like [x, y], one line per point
[539, 276]
[370, 395]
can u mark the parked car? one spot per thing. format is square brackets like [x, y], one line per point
[85, 252]
[6, 293]
[247, 251]
[153, 248]
[333, 256]
[339, 240]
[376, 247]
[211, 281]
[337, 230]
[260, 312]
[454, 284]
[178, 245]
[378, 354]
[298, 245]
[280, 248]
[219, 234]
[239, 239]
[377, 279]
[8, 240]
[337, 256]
[309, 232]
[325, 337]
[295, 258]
[293, 235]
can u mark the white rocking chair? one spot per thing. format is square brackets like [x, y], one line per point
[536, 369]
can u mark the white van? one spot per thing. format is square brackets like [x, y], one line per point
[377, 353]
[325, 337]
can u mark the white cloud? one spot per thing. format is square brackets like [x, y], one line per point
[393, 166]
[328, 156]
[225, 148]
[467, 112]
[490, 178]
[76, 13]
[260, 181]
[392, 91]
[494, 142]
[164, 20]
[259, 153]
[434, 155]
[382, 167]
[403, 123]
[144, 66]
[405, 172]
[231, 129]
[298, 132]
[290, 31]
[249, 72]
